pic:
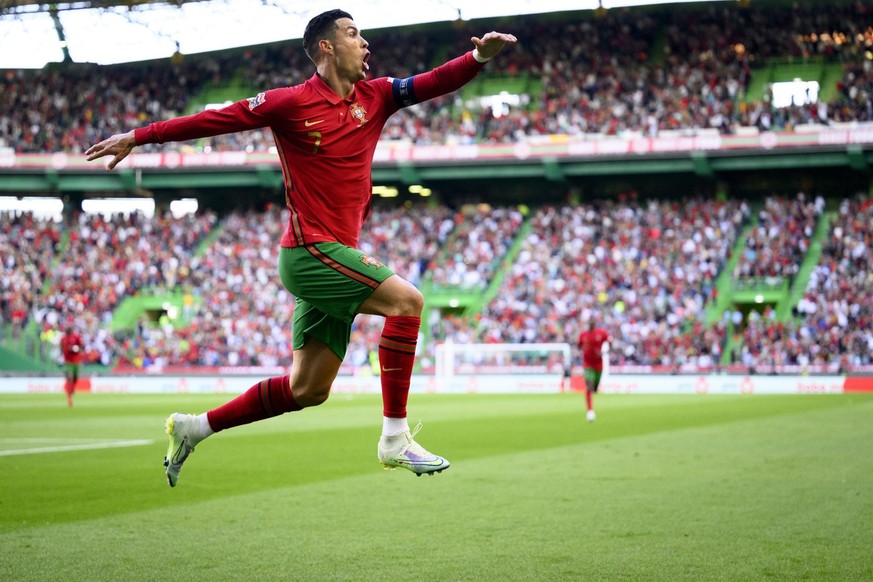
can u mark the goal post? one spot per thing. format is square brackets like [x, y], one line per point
[501, 368]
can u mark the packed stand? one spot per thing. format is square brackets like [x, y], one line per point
[644, 271]
[855, 101]
[832, 327]
[67, 108]
[109, 259]
[777, 244]
[480, 238]
[239, 313]
[28, 247]
[605, 76]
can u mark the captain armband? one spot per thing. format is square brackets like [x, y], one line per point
[404, 95]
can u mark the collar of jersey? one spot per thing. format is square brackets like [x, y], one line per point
[325, 91]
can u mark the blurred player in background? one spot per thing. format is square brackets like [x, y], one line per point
[591, 344]
[72, 348]
[326, 131]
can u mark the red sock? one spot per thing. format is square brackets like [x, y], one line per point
[396, 357]
[588, 402]
[266, 399]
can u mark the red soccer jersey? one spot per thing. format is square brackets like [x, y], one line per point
[326, 143]
[591, 343]
[72, 347]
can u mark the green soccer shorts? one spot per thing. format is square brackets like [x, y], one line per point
[330, 282]
[71, 371]
[592, 378]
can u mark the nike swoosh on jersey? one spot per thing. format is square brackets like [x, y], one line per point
[308, 123]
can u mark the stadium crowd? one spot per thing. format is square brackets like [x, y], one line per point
[832, 325]
[777, 244]
[640, 72]
[470, 255]
[28, 248]
[644, 269]
[79, 272]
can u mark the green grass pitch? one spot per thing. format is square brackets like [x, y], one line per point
[659, 488]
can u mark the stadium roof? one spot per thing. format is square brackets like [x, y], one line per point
[33, 33]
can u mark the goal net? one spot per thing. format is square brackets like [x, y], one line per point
[539, 367]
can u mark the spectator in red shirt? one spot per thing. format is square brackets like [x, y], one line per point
[72, 348]
[591, 344]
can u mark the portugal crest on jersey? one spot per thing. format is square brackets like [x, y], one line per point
[359, 113]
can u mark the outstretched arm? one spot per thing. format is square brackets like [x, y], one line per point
[491, 43]
[452, 75]
[238, 116]
[118, 145]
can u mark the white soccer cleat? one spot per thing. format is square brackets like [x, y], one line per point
[181, 430]
[402, 451]
[591, 416]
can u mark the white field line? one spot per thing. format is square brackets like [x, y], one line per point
[82, 445]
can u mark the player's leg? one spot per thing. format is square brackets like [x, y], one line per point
[343, 282]
[318, 339]
[313, 370]
[69, 382]
[401, 304]
[319, 342]
[74, 382]
[589, 393]
[595, 385]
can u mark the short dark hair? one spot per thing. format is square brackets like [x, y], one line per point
[321, 27]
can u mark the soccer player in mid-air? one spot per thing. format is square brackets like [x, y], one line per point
[591, 344]
[326, 130]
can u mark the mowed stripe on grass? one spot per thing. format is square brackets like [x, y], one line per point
[658, 488]
[35, 446]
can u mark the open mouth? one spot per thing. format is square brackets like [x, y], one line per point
[364, 62]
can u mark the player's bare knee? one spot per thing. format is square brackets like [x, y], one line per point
[411, 302]
[310, 395]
